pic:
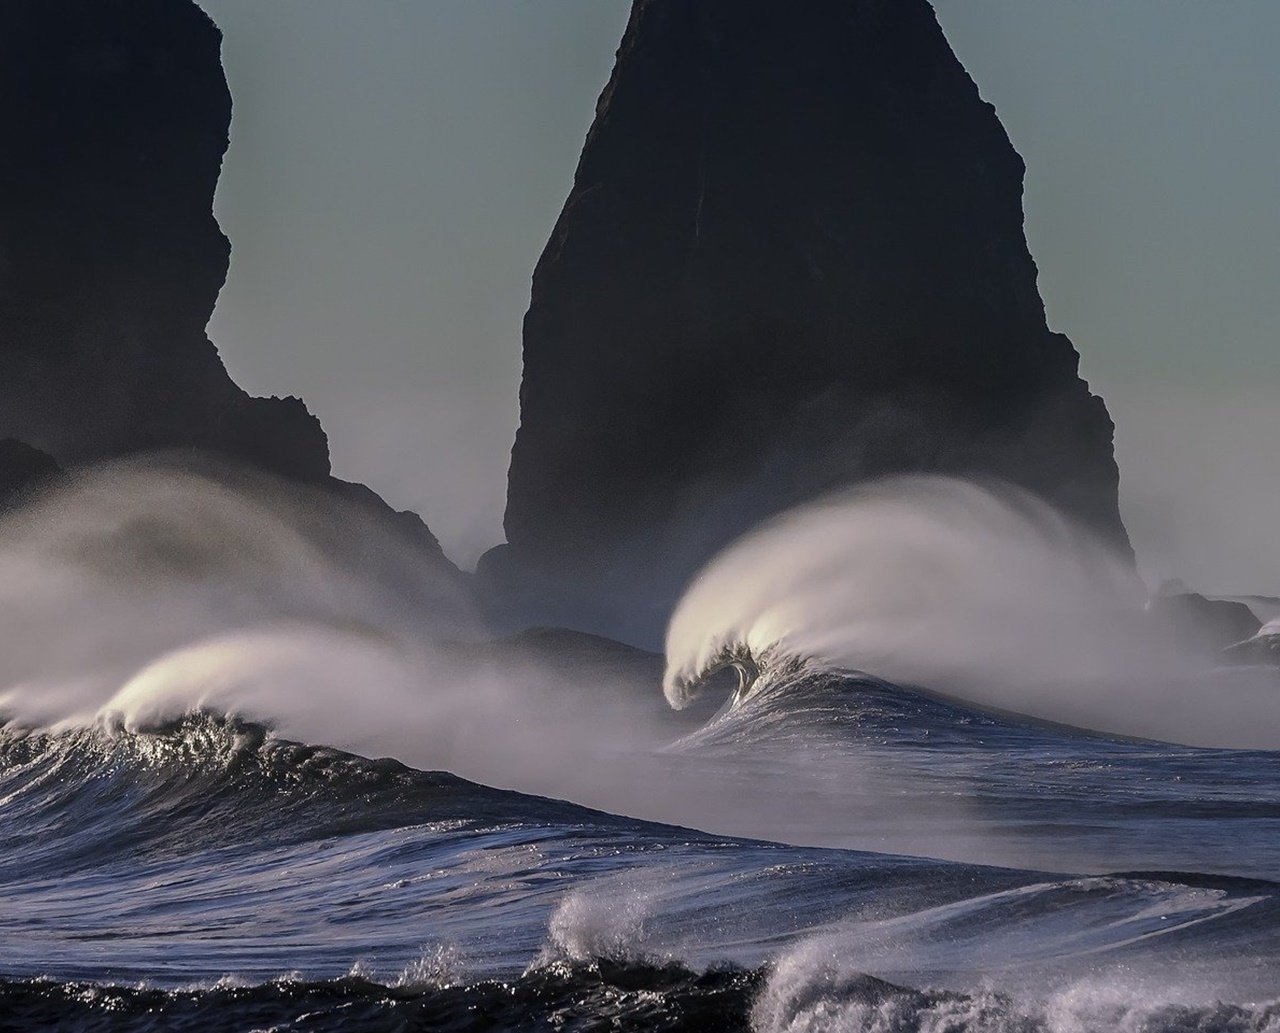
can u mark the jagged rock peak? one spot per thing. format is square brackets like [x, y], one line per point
[793, 258]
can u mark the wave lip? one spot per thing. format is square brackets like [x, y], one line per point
[684, 685]
[977, 592]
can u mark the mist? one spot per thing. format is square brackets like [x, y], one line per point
[1201, 483]
[978, 592]
[139, 593]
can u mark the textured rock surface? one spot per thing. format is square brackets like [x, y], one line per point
[793, 258]
[115, 116]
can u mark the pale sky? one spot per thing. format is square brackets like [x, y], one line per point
[397, 165]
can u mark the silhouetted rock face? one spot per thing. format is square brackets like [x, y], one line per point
[114, 115]
[793, 258]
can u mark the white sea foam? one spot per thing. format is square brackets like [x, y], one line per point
[980, 592]
[820, 1000]
[143, 591]
[817, 987]
[438, 967]
[609, 918]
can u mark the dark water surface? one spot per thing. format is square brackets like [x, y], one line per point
[210, 876]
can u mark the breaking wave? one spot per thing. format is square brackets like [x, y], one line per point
[198, 666]
[977, 592]
[141, 593]
[821, 999]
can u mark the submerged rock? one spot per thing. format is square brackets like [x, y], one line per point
[793, 258]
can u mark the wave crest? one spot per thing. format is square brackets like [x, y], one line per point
[979, 592]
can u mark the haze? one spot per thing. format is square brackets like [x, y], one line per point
[396, 167]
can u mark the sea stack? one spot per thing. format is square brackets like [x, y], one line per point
[793, 259]
[115, 116]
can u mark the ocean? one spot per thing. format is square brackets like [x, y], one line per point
[313, 824]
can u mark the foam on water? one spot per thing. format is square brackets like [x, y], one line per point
[181, 650]
[980, 592]
[142, 592]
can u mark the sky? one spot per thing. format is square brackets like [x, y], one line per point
[397, 165]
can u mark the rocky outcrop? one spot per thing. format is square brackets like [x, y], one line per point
[793, 258]
[115, 115]
[1262, 648]
[1200, 623]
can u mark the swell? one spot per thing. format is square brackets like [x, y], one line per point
[93, 796]
[603, 994]
[793, 698]
[215, 848]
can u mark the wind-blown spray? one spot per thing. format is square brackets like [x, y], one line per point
[977, 591]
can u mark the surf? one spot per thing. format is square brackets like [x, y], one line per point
[978, 592]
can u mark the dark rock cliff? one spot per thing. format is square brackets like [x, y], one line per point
[115, 116]
[793, 258]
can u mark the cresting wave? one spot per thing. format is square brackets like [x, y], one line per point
[916, 580]
[274, 856]
[977, 592]
[141, 595]
[198, 844]
[139, 567]
[143, 592]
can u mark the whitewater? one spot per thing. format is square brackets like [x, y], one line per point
[916, 758]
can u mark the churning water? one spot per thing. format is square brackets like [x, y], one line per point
[962, 784]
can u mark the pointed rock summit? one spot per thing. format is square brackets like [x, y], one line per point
[793, 258]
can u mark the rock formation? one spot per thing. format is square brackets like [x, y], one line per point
[793, 258]
[115, 115]
[1200, 623]
[1262, 648]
